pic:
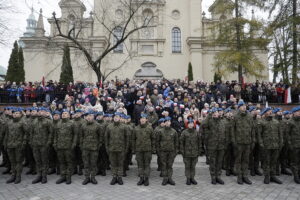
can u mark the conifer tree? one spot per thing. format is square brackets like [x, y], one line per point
[66, 75]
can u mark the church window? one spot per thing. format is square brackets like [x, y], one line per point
[176, 40]
[118, 31]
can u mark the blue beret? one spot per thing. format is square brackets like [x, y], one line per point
[295, 109]
[118, 114]
[227, 110]
[144, 115]
[191, 121]
[220, 109]
[265, 110]
[34, 109]
[241, 103]
[78, 111]
[65, 110]
[276, 110]
[56, 112]
[90, 112]
[252, 108]
[100, 113]
[168, 119]
[214, 110]
[127, 117]
[161, 120]
[286, 113]
[17, 110]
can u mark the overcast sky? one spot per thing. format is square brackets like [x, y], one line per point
[22, 8]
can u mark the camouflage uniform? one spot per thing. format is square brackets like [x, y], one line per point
[156, 131]
[143, 144]
[190, 147]
[103, 160]
[167, 144]
[256, 152]
[15, 139]
[65, 140]
[6, 163]
[41, 138]
[294, 144]
[229, 152]
[29, 158]
[91, 140]
[78, 162]
[270, 140]
[243, 140]
[53, 160]
[117, 143]
[204, 135]
[128, 154]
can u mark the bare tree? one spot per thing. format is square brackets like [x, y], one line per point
[5, 8]
[132, 19]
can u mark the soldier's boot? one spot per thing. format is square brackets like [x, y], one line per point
[240, 180]
[37, 179]
[124, 173]
[193, 181]
[146, 182]
[103, 173]
[247, 181]
[233, 173]
[120, 181]
[252, 172]
[93, 180]
[267, 179]
[44, 180]
[30, 171]
[160, 174]
[18, 180]
[171, 182]
[61, 180]
[75, 170]
[188, 181]
[165, 181]
[286, 171]
[297, 179]
[86, 180]
[113, 181]
[11, 179]
[258, 172]
[274, 179]
[51, 171]
[58, 171]
[3, 164]
[220, 181]
[80, 173]
[228, 173]
[7, 171]
[141, 181]
[213, 180]
[68, 180]
[158, 169]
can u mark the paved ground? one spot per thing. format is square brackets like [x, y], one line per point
[103, 191]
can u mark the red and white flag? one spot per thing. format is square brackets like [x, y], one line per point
[287, 96]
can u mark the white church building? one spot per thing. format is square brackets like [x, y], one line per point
[180, 36]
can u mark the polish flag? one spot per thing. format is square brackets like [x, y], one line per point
[287, 96]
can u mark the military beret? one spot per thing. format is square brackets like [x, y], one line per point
[127, 117]
[286, 113]
[227, 110]
[295, 109]
[34, 109]
[214, 110]
[78, 111]
[100, 113]
[252, 108]
[17, 110]
[65, 110]
[168, 119]
[241, 103]
[56, 112]
[118, 114]
[161, 120]
[220, 109]
[276, 110]
[90, 112]
[265, 110]
[191, 121]
[144, 115]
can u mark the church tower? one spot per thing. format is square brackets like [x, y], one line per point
[40, 30]
[31, 25]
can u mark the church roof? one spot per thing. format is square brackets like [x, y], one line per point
[217, 3]
[68, 2]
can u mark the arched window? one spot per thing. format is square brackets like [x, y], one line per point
[176, 40]
[118, 31]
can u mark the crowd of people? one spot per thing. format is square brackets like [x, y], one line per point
[89, 129]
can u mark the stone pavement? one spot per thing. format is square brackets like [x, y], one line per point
[103, 191]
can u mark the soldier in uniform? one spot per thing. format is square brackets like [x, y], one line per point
[167, 144]
[78, 122]
[243, 140]
[294, 143]
[15, 139]
[6, 118]
[283, 159]
[217, 141]
[64, 143]
[270, 140]
[190, 147]
[117, 143]
[255, 153]
[41, 138]
[143, 144]
[91, 140]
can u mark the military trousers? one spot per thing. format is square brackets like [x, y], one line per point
[190, 166]
[29, 157]
[254, 158]
[215, 161]
[284, 157]
[5, 157]
[65, 159]
[53, 160]
[228, 161]
[103, 160]
[117, 163]
[295, 161]
[143, 162]
[78, 161]
[90, 159]
[41, 158]
[16, 156]
[241, 164]
[270, 157]
[167, 159]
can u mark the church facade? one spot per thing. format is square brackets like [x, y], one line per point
[179, 37]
